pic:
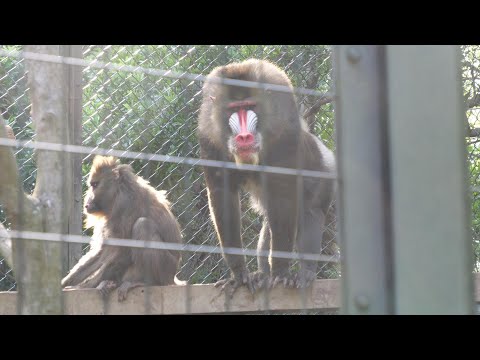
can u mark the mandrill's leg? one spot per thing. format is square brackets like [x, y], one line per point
[260, 278]
[148, 266]
[224, 204]
[264, 246]
[282, 209]
[309, 241]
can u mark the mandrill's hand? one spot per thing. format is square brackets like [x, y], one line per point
[231, 285]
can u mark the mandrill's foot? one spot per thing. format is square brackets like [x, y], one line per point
[260, 280]
[125, 287]
[288, 280]
[232, 284]
[304, 278]
[106, 286]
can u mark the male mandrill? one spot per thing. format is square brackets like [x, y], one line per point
[120, 204]
[256, 126]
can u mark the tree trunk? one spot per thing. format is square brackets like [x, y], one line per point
[38, 263]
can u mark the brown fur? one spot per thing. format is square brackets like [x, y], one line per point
[123, 205]
[290, 217]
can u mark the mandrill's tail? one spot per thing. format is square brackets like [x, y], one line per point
[179, 282]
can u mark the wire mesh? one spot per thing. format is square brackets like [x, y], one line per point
[142, 112]
[137, 111]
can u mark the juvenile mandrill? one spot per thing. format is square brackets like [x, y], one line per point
[120, 204]
[255, 126]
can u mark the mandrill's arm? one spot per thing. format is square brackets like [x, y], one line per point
[224, 205]
[108, 263]
[88, 264]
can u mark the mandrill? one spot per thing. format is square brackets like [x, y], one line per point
[251, 125]
[120, 204]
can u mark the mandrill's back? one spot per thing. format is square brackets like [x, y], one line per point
[156, 207]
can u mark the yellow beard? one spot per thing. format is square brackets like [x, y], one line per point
[252, 160]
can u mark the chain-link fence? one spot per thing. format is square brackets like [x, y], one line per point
[471, 76]
[137, 111]
[156, 113]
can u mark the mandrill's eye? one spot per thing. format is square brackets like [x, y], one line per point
[94, 184]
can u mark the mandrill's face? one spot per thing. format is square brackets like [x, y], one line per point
[101, 192]
[245, 141]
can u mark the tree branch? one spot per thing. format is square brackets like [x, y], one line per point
[6, 246]
[5, 241]
[313, 110]
[12, 196]
[474, 132]
[475, 101]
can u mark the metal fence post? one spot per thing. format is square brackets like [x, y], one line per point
[432, 242]
[360, 110]
[72, 251]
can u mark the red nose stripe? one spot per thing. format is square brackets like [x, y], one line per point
[242, 115]
[244, 138]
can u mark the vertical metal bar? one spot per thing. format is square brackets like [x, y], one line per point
[432, 242]
[72, 251]
[363, 179]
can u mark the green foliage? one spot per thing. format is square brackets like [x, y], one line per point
[146, 113]
[154, 114]
[157, 114]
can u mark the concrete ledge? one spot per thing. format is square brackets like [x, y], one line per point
[193, 299]
[196, 299]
